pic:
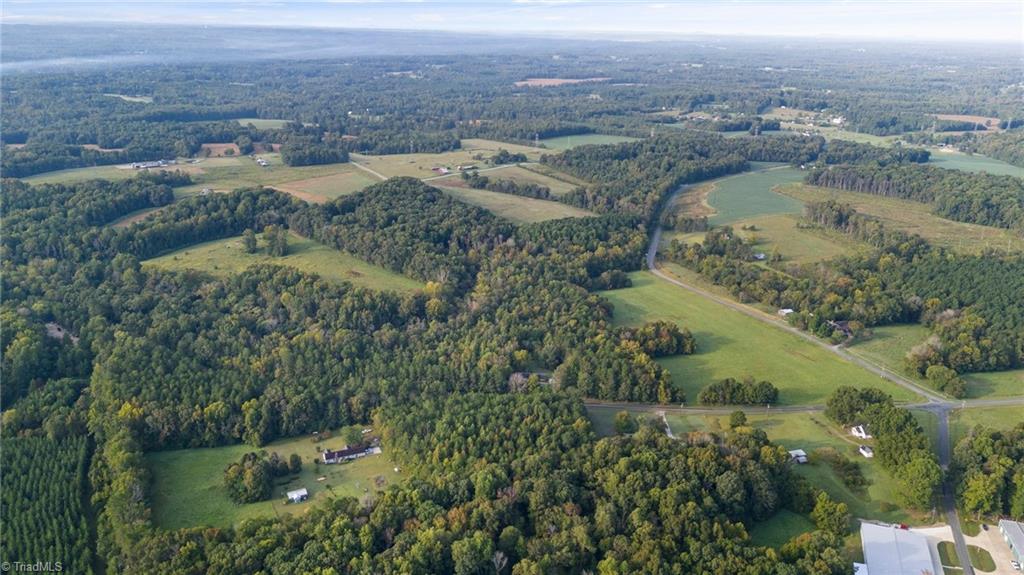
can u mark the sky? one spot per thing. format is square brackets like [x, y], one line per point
[973, 20]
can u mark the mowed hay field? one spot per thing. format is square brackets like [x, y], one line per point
[915, 218]
[227, 256]
[322, 189]
[73, 175]
[889, 344]
[750, 194]
[749, 200]
[516, 173]
[263, 124]
[188, 484]
[731, 344]
[224, 174]
[973, 163]
[516, 208]
[810, 431]
[566, 142]
[473, 152]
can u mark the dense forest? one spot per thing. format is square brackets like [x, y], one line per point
[990, 467]
[477, 380]
[45, 502]
[291, 354]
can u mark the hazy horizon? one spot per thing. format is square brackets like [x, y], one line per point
[992, 21]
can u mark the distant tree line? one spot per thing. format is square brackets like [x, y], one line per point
[962, 196]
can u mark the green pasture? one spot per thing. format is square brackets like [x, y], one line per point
[228, 256]
[750, 195]
[519, 209]
[732, 344]
[567, 142]
[187, 488]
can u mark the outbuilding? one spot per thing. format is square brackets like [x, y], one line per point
[798, 455]
[860, 431]
[1013, 533]
[298, 495]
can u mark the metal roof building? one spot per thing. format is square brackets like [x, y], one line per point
[894, 551]
[1013, 533]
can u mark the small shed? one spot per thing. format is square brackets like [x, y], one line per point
[860, 431]
[866, 451]
[298, 495]
[798, 455]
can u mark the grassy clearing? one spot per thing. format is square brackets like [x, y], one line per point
[134, 99]
[947, 554]
[779, 233]
[981, 559]
[962, 421]
[780, 528]
[545, 170]
[833, 133]
[810, 431]
[187, 488]
[974, 163]
[567, 142]
[224, 174]
[749, 195]
[517, 174]
[136, 216]
[227, 174]
[970, 527]
[227, 256]
[262, 123]
[889, 345]
[915, 218]
[473, 152]
[322, 189]
[72, 175]
[603, 418]
[516, 208]
[731, 344]
[1008, 383]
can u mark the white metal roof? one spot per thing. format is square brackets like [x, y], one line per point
[893, 551]
[1014, 532]
[298, 493]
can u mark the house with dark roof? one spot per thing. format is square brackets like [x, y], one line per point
[330, 456]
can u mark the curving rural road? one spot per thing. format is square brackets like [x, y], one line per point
[934, 402]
